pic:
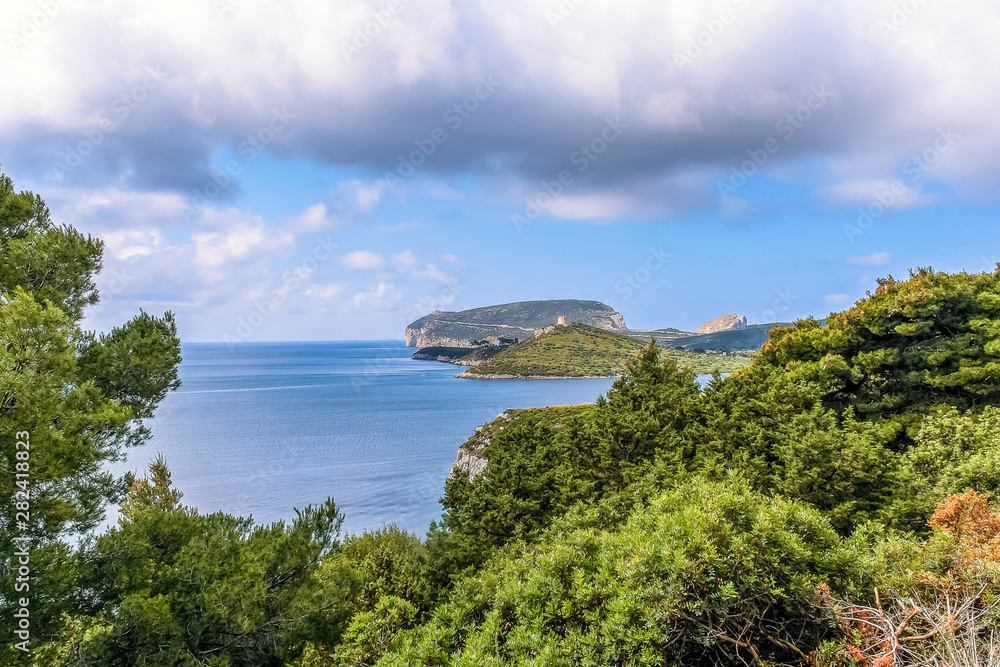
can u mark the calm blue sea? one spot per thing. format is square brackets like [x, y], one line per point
[262, 428]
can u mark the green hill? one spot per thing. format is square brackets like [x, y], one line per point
[577, 350]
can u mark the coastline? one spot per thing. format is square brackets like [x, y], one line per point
[440, 358]
[466, 375]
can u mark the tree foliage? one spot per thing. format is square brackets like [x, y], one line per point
[932, 340]
[169, 586]
[80, 397]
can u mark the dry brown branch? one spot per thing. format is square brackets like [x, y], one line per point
[936, 624]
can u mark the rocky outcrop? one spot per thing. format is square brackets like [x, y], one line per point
[466, 375]
[444, 358]
[421, 338]
[471, 457]
[724, 323]
[509, 320]
[448, 359]
[545, 330]
[616, 320]
[470, 462]
[426, 336]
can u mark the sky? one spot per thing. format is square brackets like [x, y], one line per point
[331, 170]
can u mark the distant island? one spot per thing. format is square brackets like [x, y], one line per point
[507, 321]
[744, 339]
[569, 338]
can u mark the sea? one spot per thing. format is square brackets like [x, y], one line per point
[260, 429]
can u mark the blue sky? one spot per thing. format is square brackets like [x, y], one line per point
[272, 173]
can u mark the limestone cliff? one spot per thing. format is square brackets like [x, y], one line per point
[724, 323]
[472, 454]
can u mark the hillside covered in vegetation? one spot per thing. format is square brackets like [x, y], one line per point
[577, 350]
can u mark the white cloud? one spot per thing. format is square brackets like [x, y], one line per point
[363, 259]
[441, 191]
[213, 249]
[106, 210]
[239, 247]
[835, 300]
[314, 218]
[890, 193]
[125, 243]
[352, 197]
[893, 92]
[431, 272]
[405, 261]
[454, 261]
[429, 304]
[383, 296]
[326, 297]
[134, 250]
[589, 207]
[328, 291]
[874, 259]
[368, 196]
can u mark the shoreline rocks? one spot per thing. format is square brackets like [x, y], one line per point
[466, 375]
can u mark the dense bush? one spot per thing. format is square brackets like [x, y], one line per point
[706, 573]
